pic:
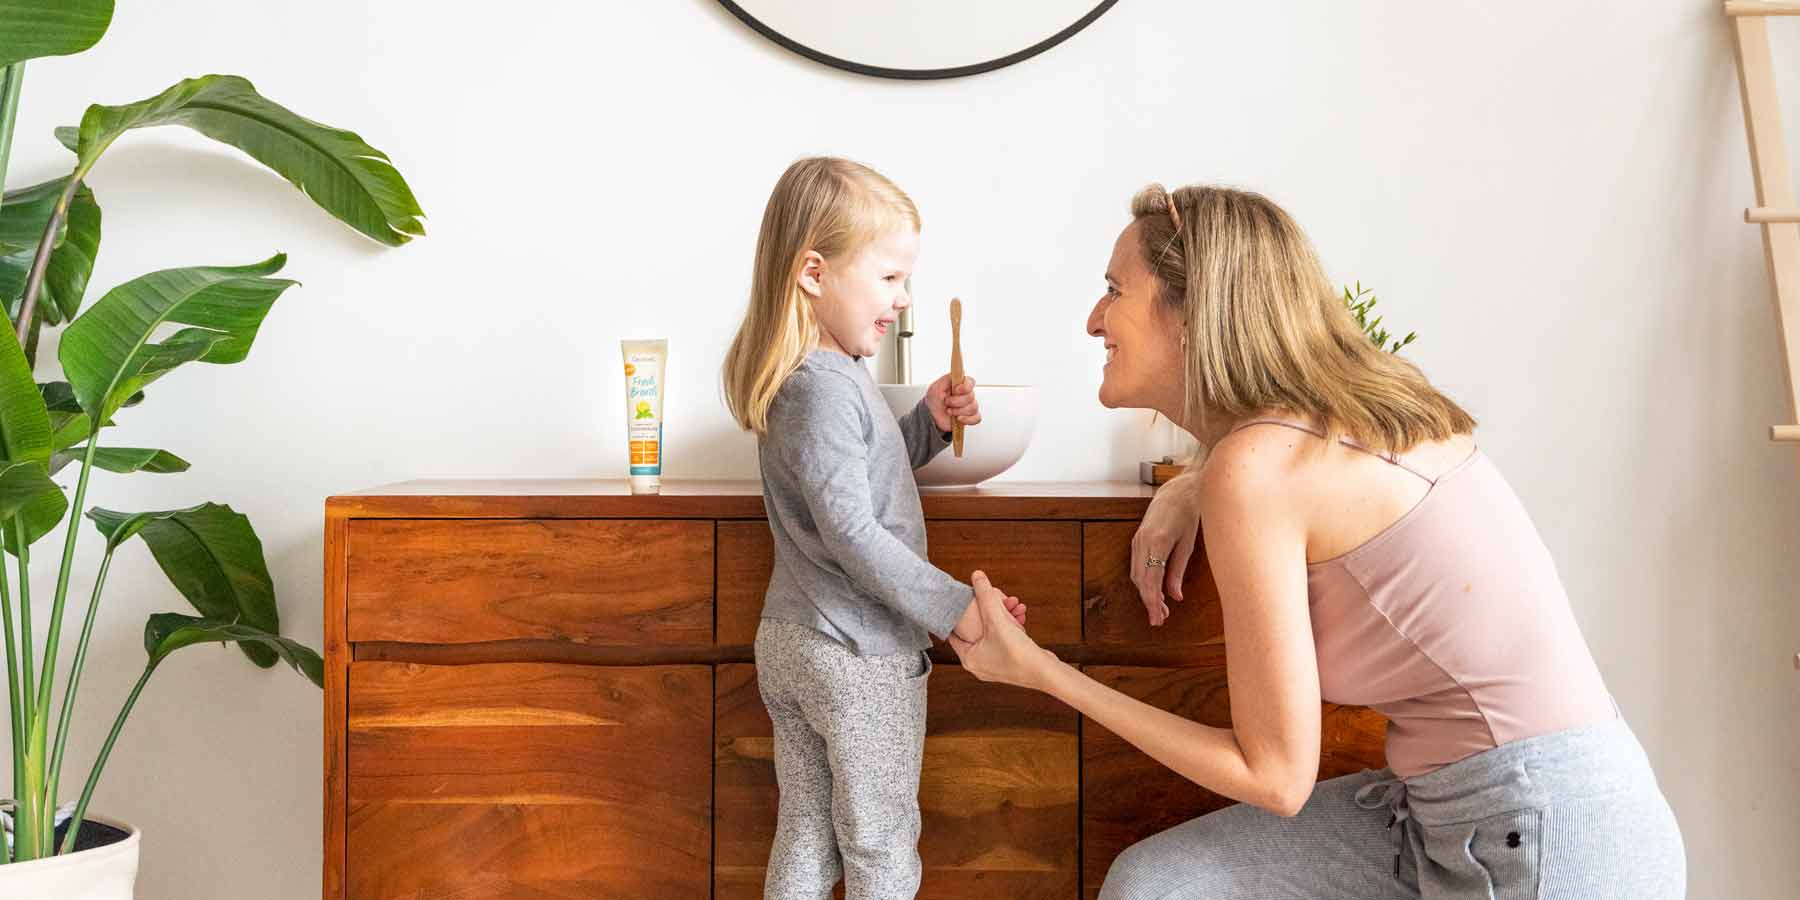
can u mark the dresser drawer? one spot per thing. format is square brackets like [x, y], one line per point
[591, 581]
[1039, 562]
[1114, 611]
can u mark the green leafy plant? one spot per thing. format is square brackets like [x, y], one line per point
[1361, 304]
[109, 354]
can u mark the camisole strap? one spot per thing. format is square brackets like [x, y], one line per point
[1387, 456]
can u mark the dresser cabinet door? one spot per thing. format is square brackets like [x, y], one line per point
[997, 791]
[1127, 796]
[528, 780]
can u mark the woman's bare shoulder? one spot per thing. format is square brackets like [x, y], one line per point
[1253, 466]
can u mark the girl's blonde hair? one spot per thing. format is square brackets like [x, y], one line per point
[1264, 330]
[830, 206]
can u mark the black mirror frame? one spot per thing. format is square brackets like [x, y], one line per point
[917, 74]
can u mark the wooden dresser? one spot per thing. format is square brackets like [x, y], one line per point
[545, 689]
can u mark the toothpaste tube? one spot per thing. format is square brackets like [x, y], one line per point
[644, 365]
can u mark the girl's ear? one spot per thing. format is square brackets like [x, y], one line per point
[812, 274]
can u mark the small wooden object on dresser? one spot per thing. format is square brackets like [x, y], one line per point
[545, 688]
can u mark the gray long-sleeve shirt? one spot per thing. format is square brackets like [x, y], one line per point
[837, 473]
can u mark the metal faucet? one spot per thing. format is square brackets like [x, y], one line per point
[893, 363]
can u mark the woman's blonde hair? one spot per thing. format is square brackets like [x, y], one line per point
[1264, 330]
[830, 206]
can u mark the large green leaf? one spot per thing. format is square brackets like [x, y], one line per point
[68, 424]
[123, 460]
[33, 28]
[107, 354]
[337, 169]
[72, 261]
[24, 419]
[166, 633]
[25, 438]
[26, 212]
[22, 221]
[59, 396]
[21, 483]
[213, 556]
[40, 516]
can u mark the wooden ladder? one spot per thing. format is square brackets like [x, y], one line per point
[1775, 209]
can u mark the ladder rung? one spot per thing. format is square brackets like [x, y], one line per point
[1767, 214]
[1751, 8]
[1785, 434]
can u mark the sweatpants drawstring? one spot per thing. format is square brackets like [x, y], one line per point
[1391, 793]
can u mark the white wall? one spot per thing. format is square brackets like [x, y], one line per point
[1549, 192]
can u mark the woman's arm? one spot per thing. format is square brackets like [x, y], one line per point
[1210, 757]
[1256, 530]
[1257, 547]
[1168, 532]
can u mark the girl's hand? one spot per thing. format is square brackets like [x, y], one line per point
[1167, 534]
[969, 627]
[950, 404]
[1016, 608]
[1004, 653]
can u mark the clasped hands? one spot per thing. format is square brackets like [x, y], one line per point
[990, 639]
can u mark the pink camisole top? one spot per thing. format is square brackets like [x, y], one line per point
[1453, 624]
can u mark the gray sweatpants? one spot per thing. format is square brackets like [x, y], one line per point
[849, 739]
[1574, 815]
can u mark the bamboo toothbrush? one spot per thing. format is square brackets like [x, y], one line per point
[956, 367]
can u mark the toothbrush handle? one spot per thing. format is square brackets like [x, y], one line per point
[956, 371]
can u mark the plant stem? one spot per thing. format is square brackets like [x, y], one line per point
[62, 587]
[12, 705]
[31, 342]
[28, 819]
[27, 637]
[41, 725]
[34, 282]
[12, 79]
[62, 577]
[87, 792]
[75, 668]
[14, 76]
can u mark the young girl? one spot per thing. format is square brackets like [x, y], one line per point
[841, 650]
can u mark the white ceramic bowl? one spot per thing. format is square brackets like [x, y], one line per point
[1008, 417]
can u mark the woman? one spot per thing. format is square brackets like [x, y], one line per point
[1365, 553]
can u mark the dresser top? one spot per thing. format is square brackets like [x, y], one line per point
[689, 498]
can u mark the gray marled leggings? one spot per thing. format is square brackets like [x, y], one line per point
[1573, 815]
[849, 739]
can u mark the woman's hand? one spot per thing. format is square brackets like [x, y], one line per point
[969, 628]
[1004, 652]
[1166, 537]
[953, 403]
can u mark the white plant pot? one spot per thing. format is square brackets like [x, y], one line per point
[103, 873]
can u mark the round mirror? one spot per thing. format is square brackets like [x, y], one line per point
[918, 38]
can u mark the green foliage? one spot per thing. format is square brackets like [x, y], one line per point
[1361, 304]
